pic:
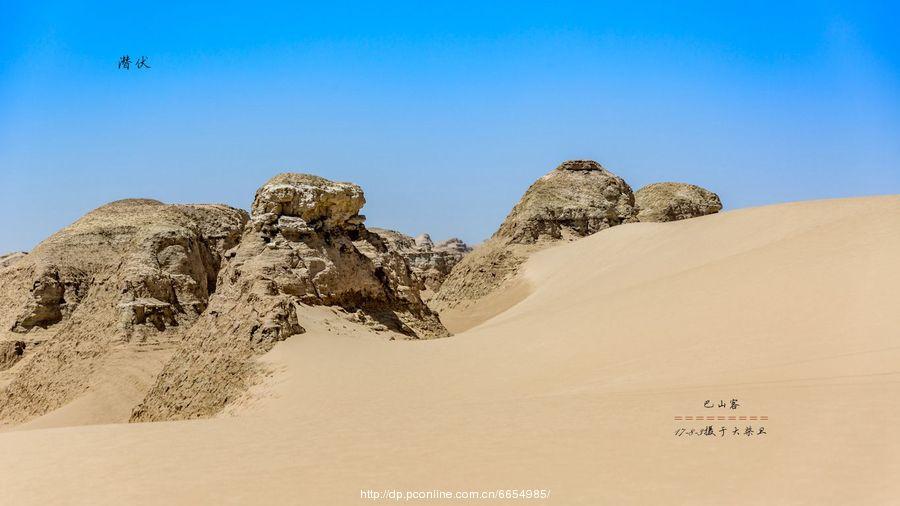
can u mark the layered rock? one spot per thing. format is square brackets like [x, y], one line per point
[576, 199]
[10, 258]
[304, 245]
[430, 262]
[133, 271]
[10, 353]
[660, 202]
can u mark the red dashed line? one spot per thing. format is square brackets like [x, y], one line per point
[722, 417]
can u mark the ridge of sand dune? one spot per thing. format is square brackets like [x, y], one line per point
[791, 309]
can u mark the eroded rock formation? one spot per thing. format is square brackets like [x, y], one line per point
[10, 353]
[10, 258]
[133, 271]
[304, 245]
[430, 262]
[576, 199]
[675, 201]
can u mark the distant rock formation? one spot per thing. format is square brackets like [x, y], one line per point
[304, 245]
[675, 201]
[133, 271]
[576, 199]
[430, 262]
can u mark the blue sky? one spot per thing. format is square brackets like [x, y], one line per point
[443, 112]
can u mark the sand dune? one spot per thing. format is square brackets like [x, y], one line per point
[574, 387]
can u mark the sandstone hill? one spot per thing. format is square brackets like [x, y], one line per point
[131, 273]
[202, 289]
[430, 262]
[305, 245]
[576, 199]
[675, 201]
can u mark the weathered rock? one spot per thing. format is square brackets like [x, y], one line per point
[305, 245]
[430, 263]
[10, 353]
[88, 288]
[574, 200]
[11, 258]
[317, 201]
[453, 244]
[46, 303]
[675, 201]
[424, 242]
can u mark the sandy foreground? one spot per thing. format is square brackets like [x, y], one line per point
[573, 387]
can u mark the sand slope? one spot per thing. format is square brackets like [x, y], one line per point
[792, 309]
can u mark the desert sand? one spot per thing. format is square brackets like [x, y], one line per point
[569, 381]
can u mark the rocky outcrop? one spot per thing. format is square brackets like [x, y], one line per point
[675, 201]
[430, 262]
[574, 200]
[10, 353]
[133, 271]
[304, 245]
[10, 258]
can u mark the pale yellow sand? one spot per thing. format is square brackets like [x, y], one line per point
[793, 309]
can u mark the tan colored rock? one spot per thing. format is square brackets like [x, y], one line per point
[675, 201]
[130, 273]
[10, 258]
[574, 200]
[305, 245]
[430, 263]
[10, 353]
[317, 201]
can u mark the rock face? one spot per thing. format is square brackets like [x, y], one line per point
[574, 200]
[10, 353]
[304, 245]
[209, 285]
[313, 200]
[675, 201]
[430, 263]
[132, 272]
[10, 258]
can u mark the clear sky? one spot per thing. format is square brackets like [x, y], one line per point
[444, 112]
